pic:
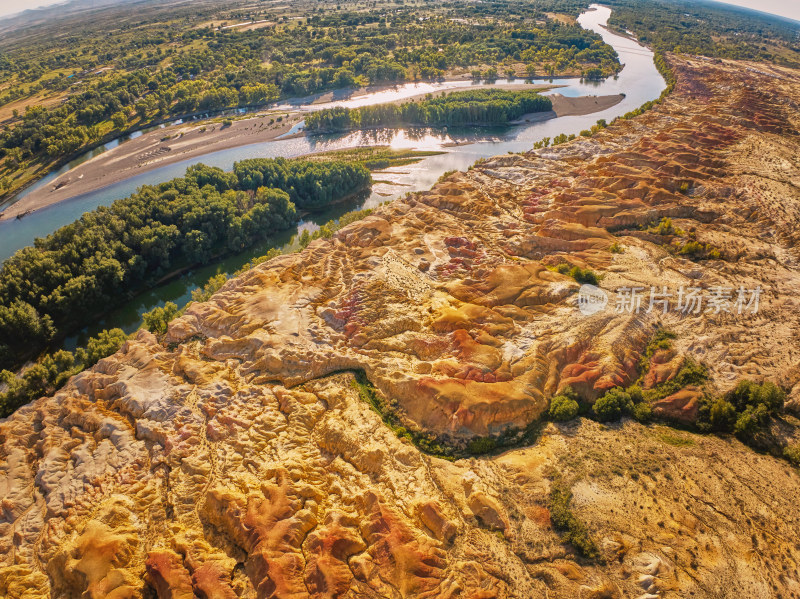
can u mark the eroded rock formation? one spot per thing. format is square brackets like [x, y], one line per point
[236, 458]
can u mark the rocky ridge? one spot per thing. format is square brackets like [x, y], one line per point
[235, 457]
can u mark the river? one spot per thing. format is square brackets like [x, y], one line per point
[639, 81]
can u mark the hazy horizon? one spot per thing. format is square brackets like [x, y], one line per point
[781, 8]
[776, 7]
[12, 7]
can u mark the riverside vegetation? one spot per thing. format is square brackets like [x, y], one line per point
[486, 107]
[72, 275]
[65, 93]
[52, 371]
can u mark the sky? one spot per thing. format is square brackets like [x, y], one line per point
[784, 8]
[9, 7]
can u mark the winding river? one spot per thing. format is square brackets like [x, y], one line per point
[639, 81]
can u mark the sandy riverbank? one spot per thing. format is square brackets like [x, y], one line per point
[183, 142]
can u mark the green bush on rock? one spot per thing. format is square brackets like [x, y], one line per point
[564, 406]
[613, 405]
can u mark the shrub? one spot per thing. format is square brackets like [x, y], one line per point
[581, 275]
[52, 371]
[751, 421]
[750, 394]
[560, 139]
[481, 445]
[213, 285]
[613, 405]
[691, 248]
[584, 275]
[636, 393]
[445, 175]
[792, 453]
[691, 373]
[616, 248]
[563, 407]
[642, 412]
[543, 143]
[722, 416]
[156, 320]
[661, 340]
[106, 343]
[665, 227]
[572, 530]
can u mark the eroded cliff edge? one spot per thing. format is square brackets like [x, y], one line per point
[236, 458]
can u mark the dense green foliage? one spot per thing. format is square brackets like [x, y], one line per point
[792, 453]
[613, 405]
[157, 319]
[564, 406]
[50, 373]
[75, 273]
[53, 370]
[745, 410]
[311, 185]
[485, 107]
[709, 29]
[121, 71]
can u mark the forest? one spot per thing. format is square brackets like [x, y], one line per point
[706, 28]
[71, 92]
[77, 272]
[484, 107]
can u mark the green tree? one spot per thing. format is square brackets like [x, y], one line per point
[107, 342]
[564, 406]
[156, 320]
[613, 405]
[119, 120]
[722, 416]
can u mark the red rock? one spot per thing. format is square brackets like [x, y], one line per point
[168, 576]
[329, 548]
[211, 581]
[681, 406]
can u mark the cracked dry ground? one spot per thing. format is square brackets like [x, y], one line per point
[234, 458]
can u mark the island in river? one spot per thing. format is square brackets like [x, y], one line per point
[162, 147]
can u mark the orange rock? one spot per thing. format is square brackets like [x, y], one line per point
[681, 406]
[430, 514]
[413, 566]
[664, 365]
[211, 581]
[271, 528]
[329, 548]
[168, 576]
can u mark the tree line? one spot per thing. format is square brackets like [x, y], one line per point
[484, 107]
[154, 71]
[709, 29]
[74, 274]
[53, 370]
